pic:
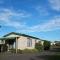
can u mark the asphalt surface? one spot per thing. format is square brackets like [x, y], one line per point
[13, 56]
[10, 56]
[36, 56]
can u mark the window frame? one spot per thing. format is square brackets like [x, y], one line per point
[29, 42]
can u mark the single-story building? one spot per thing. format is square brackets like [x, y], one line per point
[18, 41]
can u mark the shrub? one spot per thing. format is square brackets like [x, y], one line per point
[19, 51]
[24, 51]
[34, 50]
[14, 51]
[30, 50]
[38, 46]
[46, 45]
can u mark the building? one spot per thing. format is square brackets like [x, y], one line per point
[18, 41]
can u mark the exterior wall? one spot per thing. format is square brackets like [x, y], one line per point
[42, 42]
[22, 43]
[33, 44]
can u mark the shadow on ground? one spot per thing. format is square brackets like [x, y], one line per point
[49, 57]
[45, 55]
[55, 50]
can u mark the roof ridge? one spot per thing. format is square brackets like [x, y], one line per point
[20, 34]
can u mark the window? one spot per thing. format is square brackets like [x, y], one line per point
[29, 42]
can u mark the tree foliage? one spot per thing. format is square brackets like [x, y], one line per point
[46, 45]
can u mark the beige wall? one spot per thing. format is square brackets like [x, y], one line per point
[42, 42]
[33, 44]
[22, 43]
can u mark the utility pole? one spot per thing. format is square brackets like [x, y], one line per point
[16, 44]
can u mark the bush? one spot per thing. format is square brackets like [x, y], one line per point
[24, 51]
[38, 46]
[30, 50]
[34, 50]
[14, 51]
[46, 45]
[19, 51]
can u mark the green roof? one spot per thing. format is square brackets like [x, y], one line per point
[20, 35]
[6, 38]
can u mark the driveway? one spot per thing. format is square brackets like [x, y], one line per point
[13, 56]
[10, 56]
[37, 56]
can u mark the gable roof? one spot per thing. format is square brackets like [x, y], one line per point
[20, 35]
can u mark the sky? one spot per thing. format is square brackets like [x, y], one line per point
[39, 18]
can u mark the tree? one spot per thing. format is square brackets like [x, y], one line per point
[46, 45]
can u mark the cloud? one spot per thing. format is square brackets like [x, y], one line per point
[7, 20]
[11, 12]
[7, 17]
[51, 25]
[42, 11]
[55, 4]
